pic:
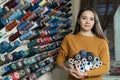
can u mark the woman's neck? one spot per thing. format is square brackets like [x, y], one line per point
[87, 33]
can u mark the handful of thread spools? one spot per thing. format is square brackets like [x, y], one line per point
[85, 60]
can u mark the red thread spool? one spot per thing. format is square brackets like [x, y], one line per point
[28, 13]
[10, 26]
[15, 36]
[34, 1]
[15, 76]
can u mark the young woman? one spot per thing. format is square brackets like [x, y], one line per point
[88, 35]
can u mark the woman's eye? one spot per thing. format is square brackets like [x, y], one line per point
[83, 18]
[91, 19]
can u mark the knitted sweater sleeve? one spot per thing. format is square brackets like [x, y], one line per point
[105, 58]
[63, 52]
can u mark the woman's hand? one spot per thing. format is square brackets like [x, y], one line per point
[76, 72]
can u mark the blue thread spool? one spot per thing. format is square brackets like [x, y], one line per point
[34, 50]
[82, 69]
[67, 15]
[14, 54]
[21, 53]
[26, 35]
[38, 73]
[83, 53]
[29, 26]
[35, 6]
[39, 9]
[90, 56]
[22, 25]
[7, 78]
[96, 59]
[32, 43]
[4, 46]
[15, 15]
[6, 69]
[16, 44]
[21, 15]
[41, 64]
[4, 21]
[47, 68]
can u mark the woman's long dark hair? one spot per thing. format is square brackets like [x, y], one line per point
[97, 29]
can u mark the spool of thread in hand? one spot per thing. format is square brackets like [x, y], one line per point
[77, 57]
[90, 56]
[83, 53]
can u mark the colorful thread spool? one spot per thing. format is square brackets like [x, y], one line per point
[15, 36]
[8, 78]
[10, 26]
[15, 76]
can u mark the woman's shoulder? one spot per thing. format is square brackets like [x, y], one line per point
[69, 36]
[102, 41]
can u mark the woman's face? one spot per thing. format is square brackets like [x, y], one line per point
[86, 20]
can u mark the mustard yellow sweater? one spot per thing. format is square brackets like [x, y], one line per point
[72, 44]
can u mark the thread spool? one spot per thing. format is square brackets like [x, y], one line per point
[84, 60]
[19, 65]
[82, 69]
[90, 56]
[15, 76]
[6, 69]
[96, 59]
[96, 65]
[22, 73]
[13, 66]
[28, 34]
[87, 68]
[22, 25]
[77, 57]
[27, 70]
[32, 43]
[29, 26]
[8, 57]
[34, 26]
[15, 45]
[2, 59]
[10, 12]
[4, 46]
[14, 36]
[10, 26]
[28, 13]
[14, 16]
[8, 78]
[11, 4]
[83, 53]
[38, 74]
